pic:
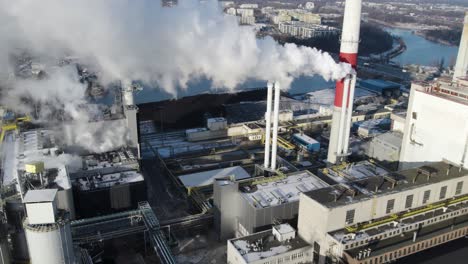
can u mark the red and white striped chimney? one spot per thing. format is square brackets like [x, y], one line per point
[344, 92]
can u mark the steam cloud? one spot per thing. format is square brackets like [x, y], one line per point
[140, 40]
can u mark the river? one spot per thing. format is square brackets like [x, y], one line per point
[419, 51]
[422, 51]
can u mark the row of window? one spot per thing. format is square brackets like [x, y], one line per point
[417, 247]
[404, 229]
[349, 219]
[286, 259]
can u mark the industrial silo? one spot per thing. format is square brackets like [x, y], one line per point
[47, 229]
[50, 243]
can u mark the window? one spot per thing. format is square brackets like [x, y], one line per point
[426, 196]
[414, 115]
[390, 206]
[409, 201]
[443, 192]
[349, 217]
[459, 188]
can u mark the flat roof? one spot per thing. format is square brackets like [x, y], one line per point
[354, 171]
[38, 196]
[284, 190]
[305, 138]
[356, 191]
[205, 178]
[249, 250]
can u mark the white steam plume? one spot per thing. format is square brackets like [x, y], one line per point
[167, 47]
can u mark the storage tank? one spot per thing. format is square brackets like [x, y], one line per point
[50, 243]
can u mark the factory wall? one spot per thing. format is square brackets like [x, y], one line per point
[435, 129]
[108, 200]
[252, 220]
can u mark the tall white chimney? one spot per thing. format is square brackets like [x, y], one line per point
[268, 124]
[461, 66]
[275, 125]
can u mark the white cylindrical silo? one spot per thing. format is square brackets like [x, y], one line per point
[50, 243]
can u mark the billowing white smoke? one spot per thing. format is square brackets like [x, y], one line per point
[140, 40]
[61, 95]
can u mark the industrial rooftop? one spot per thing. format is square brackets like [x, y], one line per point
[352, 192]
[281, 191]
[264, 244]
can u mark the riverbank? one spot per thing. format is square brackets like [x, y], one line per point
[433, 39]
[415, 29]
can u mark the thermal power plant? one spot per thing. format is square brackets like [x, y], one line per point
[47, 229]
[461, 66]
[344, 93]
[271, 161]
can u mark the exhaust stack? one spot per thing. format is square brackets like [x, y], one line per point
[461, 66]
[275, 126]
[268, 124]
[344, 93]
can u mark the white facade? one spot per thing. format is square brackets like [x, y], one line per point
[309, 5]
[436, 127]
[245, 12]
[50, 244]
[41, 206]
[317, 219]
[247, 20]
[305, 30]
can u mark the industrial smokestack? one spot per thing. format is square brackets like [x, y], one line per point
[461, 66]
[268, 124]
[345, 87]
[275, 125]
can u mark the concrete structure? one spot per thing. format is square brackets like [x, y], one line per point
[248, 206]
[436, 125]
[305, 30]
[386, 147]
[47, 230]
[41, 206]
[398, 121]
[247, 20]
[344, 95]
[277, 245]
[461, 66]
[245, 12]
[378, 214]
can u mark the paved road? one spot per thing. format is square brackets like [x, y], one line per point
[455, 252]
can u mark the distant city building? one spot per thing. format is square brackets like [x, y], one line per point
[244, 12]
[231, 11]
[226, 4]
[306, 30]
[252, 6]
[247, 20]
